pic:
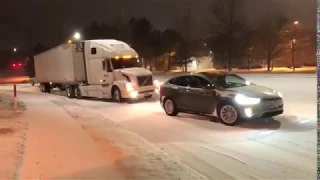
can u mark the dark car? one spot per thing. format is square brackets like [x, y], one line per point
[224, 95]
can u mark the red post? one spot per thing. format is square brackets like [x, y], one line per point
[15, 103]
[14, 90]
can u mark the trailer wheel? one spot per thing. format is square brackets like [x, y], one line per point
[70, 92]
[77, 93]
[41, 87]
[47, 87]
[116, 94]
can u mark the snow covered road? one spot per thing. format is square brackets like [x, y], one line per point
[65, 140]
[283, 148]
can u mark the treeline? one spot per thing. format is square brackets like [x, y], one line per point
[227, 38]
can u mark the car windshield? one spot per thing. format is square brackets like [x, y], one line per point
[231, 81]
[125, 63]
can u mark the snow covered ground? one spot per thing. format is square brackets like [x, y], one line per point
[282, 148]
[279, 148]
[68, 141]
[12, 136]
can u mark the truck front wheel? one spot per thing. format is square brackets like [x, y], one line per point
[70, 92]
[116, 95]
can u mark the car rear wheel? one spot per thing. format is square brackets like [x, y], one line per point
[228, 114]
[170, 107]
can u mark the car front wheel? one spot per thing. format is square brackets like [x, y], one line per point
[228, 114]
[170, 107]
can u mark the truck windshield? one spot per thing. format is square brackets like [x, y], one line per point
[125, 63]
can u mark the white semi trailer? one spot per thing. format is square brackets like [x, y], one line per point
[94, 68]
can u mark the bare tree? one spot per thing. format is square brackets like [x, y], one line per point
[185, 27]
[276, 37]
[156, 46]
[226, 24]
[170, 41]
[272, 31]
[141, 30]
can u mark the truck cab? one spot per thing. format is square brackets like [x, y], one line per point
[112, 70]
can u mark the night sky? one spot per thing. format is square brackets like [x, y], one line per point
[26, 22]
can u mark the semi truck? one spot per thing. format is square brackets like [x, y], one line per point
[105, 68]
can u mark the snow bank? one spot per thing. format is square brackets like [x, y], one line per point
[133, 156]
[12, 136]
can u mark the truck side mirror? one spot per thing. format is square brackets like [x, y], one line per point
[104, 65]
[109, 69]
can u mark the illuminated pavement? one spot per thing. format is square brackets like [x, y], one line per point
[283, 148]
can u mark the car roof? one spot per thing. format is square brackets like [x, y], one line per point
[206, 73]
[214, 73]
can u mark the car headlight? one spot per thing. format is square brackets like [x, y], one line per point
[280, 94]
[245, 100]
[129, 87]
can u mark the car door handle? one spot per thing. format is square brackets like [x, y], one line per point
[106, 75]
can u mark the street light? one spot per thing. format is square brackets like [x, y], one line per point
[76, 36]
[14, 49]
[293, 42]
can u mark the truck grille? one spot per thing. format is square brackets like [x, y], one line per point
[145, 80]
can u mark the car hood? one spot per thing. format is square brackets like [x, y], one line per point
[135, 71]
[255, 91]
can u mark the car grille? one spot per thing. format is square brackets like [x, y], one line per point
[145, 80]
[271, 114]
[272, 103]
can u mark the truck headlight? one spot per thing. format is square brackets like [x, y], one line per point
[129, 87]
[156, 83]
[245, 100]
